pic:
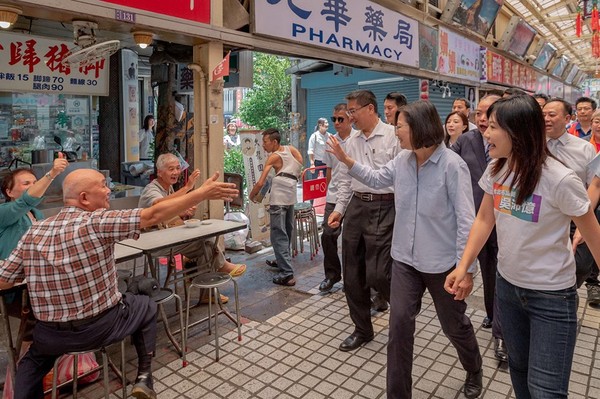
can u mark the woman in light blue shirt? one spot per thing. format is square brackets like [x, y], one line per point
[434, 213]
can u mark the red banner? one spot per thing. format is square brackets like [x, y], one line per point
[193, 10]
[222, 68]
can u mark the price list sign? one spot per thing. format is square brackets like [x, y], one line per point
[34, 64]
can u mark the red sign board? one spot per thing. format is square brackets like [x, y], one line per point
[193, 10]
[314, 188]
[506, 71]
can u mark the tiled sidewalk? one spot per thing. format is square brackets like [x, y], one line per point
[294, 355]
[290, 348]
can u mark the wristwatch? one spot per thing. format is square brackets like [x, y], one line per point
[49, 176]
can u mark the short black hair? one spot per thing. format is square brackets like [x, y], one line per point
[398, 98]
[425, 125]
[340, 107]
[464, 100]
[543, 96]
[586, 100]
[363, 98]
[566, 105]
[513, 91]
[273, 134]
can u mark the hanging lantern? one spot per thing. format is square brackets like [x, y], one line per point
[578, 23]
[596, 45]
[595, 23]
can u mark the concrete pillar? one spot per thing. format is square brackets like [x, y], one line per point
[208, 122]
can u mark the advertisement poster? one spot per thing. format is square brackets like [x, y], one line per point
[477, 15]
[359, 27]
[428, 47]
[458, 57]
[254, 161]
[34, 64]
[130, 109]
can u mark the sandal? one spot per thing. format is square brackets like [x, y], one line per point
[288, 281]
[237, 271]
[204, 300]
[272, 263]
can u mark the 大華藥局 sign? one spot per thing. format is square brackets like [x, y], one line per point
[356, 27]
[34, 64]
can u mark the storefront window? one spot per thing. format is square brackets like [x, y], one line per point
[31, 122]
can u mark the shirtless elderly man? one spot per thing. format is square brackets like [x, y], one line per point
[68, 260]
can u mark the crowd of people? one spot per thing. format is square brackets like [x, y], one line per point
[422, 203]
[514, 192]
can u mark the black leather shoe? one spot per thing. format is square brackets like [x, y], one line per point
[473, 384]
[143, 388]
[487, 323]
[500, 351]
[354, 341]
[378, 303]
[327, 285]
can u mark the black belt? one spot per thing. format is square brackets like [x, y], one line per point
[288, 175]
[368, 197]
[73, 324]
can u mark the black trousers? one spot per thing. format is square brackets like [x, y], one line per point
[135, 315]
[329, 241]
[366, 246]
[586, 268]
[408, 287]
[488, 264]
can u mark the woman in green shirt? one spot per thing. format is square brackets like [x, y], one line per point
[22, 193]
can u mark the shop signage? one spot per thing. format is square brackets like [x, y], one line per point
[254, 162]
[33, 64]
[193, 10]
[359, 27]
[555, 88]
[428, 47]
[511, 73]
[130, 108]
[458, 57]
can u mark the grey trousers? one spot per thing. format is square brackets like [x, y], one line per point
[408, 287]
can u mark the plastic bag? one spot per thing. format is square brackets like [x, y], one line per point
[236, 240]
[86, 362]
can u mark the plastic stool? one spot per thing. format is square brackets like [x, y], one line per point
[305, 227]
[212, 282]
[76, 376]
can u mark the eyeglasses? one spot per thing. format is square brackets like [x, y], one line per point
[351, 112]
[334, 119]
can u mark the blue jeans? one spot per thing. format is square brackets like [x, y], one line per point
[539, 329]
[282, 225]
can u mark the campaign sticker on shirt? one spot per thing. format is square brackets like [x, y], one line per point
[505, 202]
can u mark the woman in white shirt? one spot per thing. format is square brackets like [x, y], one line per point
[146, 136]
[231, 139]
[531, 198]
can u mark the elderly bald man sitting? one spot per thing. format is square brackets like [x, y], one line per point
[168, 172]
[68, 260]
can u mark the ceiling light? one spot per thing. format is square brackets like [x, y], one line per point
[9, 15]
[143, 38]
